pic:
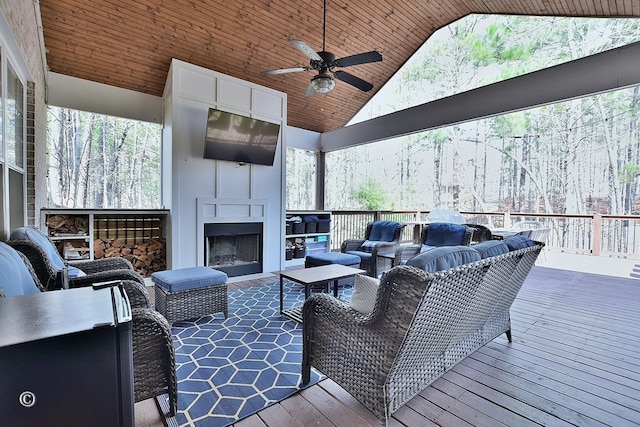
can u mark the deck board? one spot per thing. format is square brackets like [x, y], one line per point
[574, 360]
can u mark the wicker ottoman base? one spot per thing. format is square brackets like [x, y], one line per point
[191, 302]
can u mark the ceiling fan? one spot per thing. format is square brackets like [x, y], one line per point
[325, 63]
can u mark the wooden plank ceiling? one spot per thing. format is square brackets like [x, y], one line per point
[130, 44]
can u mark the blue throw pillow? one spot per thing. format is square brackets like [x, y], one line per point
[445, 234]
[367, 246]
[518, 242]
[491, 248]
[444, 258]
[383, 231]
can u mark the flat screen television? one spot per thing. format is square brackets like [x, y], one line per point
[241, 139]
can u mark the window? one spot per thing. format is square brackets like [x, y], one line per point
[98, 161]
[12, 146]
[301, 179]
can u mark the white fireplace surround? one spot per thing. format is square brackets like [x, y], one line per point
[214, 210]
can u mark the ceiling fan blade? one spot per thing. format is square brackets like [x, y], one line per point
[306, 49]
[310, 91]
[353, 80]
[284, 71]
[360, 58]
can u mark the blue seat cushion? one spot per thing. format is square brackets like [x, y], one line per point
[445, 234]
[15, 278]
[444, 258]
[364, 256]
[491, 248]
[188, 278]
[518, 242]
[383, 231]
[332, 258]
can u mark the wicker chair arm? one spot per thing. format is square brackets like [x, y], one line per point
[137, 293]
[351, 245]
[405, 252]
[154, 368]
[102, 264]
[105, 276]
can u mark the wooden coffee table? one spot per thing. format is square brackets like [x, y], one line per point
[308, 277]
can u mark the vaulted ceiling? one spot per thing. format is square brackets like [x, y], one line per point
[130, 44]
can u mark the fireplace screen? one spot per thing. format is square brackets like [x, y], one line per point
[235, 248]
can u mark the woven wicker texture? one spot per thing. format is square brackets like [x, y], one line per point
[422, 325]
[154, 363]
[192, 303]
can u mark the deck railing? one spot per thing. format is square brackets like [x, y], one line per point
[600, 235]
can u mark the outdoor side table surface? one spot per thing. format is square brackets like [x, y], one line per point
[314, 276]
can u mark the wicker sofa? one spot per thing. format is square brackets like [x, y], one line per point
[422, 324]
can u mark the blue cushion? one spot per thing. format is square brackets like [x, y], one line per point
[445, 234]
[364, 256]
[188, 278]
[15, 278]
[309, 218]
[518, 242]
[332, 258]
[35, 235]
[444, 258]
[491, 248]
[383, 231]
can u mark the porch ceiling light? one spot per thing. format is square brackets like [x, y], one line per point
[323, 83]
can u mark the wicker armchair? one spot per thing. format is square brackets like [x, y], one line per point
[435, 234]
[421, 326]
[380, 237]
[154, 370]
[50, 266]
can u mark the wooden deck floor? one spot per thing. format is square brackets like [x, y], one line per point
[574, 360]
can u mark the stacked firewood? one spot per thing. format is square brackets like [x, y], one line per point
[67, 225]
[146, 257]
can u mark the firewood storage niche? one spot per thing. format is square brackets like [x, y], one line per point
[137, 235]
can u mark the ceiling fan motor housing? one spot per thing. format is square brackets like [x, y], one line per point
[328, 60]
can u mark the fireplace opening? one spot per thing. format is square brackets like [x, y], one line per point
[235, 248]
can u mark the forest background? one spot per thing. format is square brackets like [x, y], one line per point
[580, 156]
[575, 157]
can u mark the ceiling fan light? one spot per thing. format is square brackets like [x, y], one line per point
[323, 84]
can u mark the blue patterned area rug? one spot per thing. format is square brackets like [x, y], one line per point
[231, 368]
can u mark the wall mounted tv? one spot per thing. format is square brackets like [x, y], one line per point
[240, 139]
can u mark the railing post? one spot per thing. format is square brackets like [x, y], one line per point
[507, 220]
[596, 242]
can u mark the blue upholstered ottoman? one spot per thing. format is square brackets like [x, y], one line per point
[332, 258]
[187, 293]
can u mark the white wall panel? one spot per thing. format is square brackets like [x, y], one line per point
[267, 104]
[197, 85]
[234, 94]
